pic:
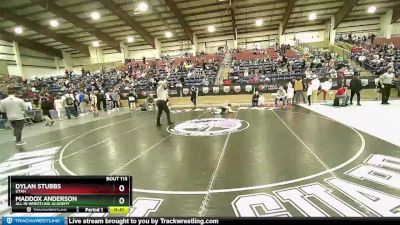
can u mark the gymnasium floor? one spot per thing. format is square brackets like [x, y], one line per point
[254, 162]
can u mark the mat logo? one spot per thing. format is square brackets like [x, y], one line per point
[185, 91]
[237, 88]
[227, 89]
[317, 200]
[215, 90]
[208, 127]
[206, 90]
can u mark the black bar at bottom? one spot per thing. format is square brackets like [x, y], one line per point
[212, 221]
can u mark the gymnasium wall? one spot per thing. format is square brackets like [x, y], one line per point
[359, 27]
[33, 63]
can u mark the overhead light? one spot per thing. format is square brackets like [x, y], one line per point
[54, 23]
[372, 9]
[312, 16]
[95, 44]
[259, 22]
[168, 34]
[211, 28]
[18, 30]
[130, 39]
[95, 15]
[142, 6]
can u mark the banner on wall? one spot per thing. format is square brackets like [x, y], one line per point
[185, 91]
[215, 90]
[248, 88]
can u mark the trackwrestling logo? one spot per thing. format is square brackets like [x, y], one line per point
[208, 127]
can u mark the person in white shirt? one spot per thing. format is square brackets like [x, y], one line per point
[290, 93]
[261, 100]
[58, 106]
[15, 108]
[315, 83]
[280, 96]
[309, 92]
[93, 104]
[308, 73]
[325, 88]
[386, 83]
[162, 96]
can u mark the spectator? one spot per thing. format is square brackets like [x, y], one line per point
[309, 92]
[254, 100]
[299, 88]
[69, 104]
[341, 94]
[316, 84]
[110, 101]
[132, 98]
[45, 106]
[59, 107]
[93, 104]
[280, 96]
[290, 93]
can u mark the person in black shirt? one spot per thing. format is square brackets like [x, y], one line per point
[46, 106]
[254, 100]
[355, 87]
[193, 95]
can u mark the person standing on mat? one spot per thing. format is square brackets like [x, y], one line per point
[254, 100]
[386, 81]
[193, 95]
[14, 108]
[355, 87]
[162, 95]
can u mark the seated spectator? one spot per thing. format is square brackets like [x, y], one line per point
[280, 96]
[341, 94]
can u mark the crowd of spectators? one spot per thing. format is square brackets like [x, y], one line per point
[357, 39]
[250, 67]
[377, 59]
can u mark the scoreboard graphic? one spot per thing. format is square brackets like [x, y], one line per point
[92, 194]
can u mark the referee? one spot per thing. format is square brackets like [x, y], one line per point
[386, 81]
[162, 95]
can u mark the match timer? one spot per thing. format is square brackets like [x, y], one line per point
[69, 193]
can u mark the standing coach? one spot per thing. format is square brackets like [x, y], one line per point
[162, 95]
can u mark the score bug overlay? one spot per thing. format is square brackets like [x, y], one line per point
[68, 193]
